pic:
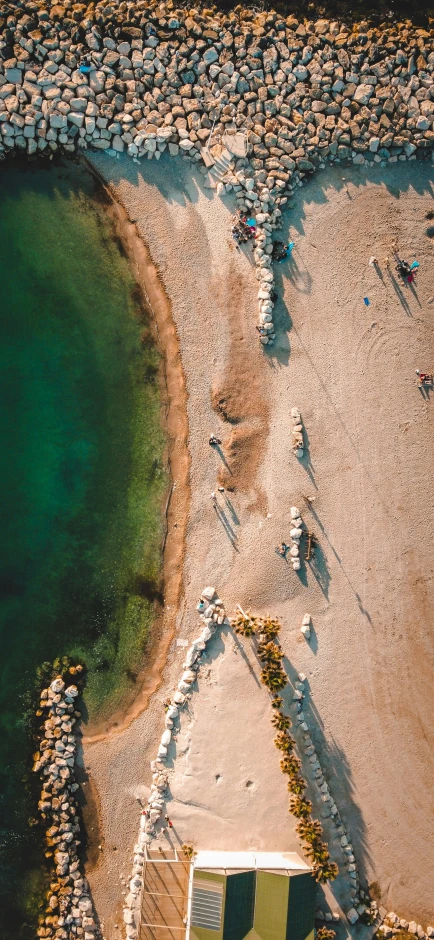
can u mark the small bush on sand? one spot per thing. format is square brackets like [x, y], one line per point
[270, 652]
[300, 807]
[273, 676]
[281, 722]
[296, 784]
[318, 853]
[324, 933]
[290, 764]
[327, 872]
[243, 623]
[284, 742]
[269, 627]
[309, 830]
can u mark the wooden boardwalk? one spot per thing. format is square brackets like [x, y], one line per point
[165, 897]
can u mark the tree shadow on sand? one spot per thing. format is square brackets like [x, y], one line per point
[322, 185]
[337, 773]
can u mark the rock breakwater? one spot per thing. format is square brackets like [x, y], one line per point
[256, 99]
[69, 911]
[212, 616]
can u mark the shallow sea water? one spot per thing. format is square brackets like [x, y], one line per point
[81, 478]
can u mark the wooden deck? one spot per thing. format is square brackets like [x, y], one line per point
[165, 897]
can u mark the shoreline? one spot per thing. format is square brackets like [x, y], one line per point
[176, 510]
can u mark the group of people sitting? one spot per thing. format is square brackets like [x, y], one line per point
[243, 228]
[281, 251]
[407, 271]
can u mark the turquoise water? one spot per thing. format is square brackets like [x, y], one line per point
[81, 478]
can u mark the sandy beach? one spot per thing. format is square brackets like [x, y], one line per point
[350, 368]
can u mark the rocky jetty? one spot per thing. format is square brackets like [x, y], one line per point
[212, 615]
[256, 99]
[69, 911]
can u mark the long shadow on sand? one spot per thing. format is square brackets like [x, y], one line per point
[338, 775]
[322, 186]
[320, 569]
[318, 548]
[306, 460]
[227, 525]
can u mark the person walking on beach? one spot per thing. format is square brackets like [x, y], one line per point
[169, 822]
[214, 499]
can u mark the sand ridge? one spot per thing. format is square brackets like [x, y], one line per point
[350, 369]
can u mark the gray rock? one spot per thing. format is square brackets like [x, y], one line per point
[14, 75]
[210, 55]
[76, 118]
[58, 121]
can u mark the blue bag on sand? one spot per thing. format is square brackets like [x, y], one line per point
[366, 301]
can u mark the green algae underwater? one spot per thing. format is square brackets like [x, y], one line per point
[82, 479]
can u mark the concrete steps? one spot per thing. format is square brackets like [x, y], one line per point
[222, 164]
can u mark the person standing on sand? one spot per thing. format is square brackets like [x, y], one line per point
[213, 441]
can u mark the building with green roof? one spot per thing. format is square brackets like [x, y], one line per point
[250, 896]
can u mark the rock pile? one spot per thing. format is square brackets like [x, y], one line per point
[212, 615]
[393, 925]
[158, 78]
[69, 908]
[306, 626]
[295, 534]
[297, 433]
